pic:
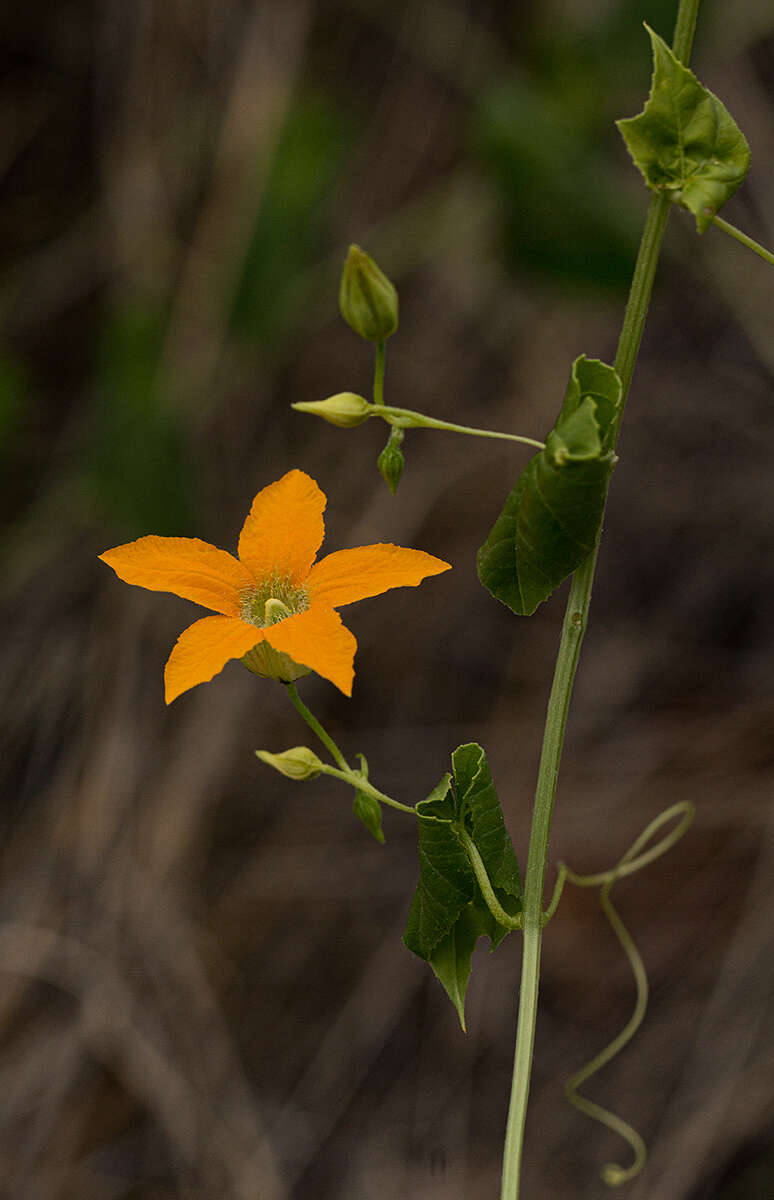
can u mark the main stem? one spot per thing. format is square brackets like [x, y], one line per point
[573, 629]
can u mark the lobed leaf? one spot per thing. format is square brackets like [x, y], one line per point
[685, 141]
[448, 913]
[552, 519]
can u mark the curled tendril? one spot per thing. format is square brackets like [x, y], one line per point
[634, 858]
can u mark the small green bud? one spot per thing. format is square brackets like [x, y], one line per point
[298, 763]
[368, 301]
[345, 409]
[391, 461]
[368, 810]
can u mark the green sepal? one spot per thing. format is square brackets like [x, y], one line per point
[367, 808]
[448, 913]
[391, 461]
[685, 141]
[552, 519]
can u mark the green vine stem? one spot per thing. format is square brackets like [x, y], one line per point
[573, 629]
[613, 1174]
[316, 727]
[744, 238]
[357, 780]
[404, 418]
[632, 861]
[379, 375]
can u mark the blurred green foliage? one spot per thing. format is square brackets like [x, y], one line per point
[545, 135]
[289, 224]
[138, 448]
[137, 460]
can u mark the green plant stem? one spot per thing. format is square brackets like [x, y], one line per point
[359, 781]
[406, 419]
[747, 241]
[316, 727]
[379, 374]
[613, 1174]
[685, 27]
[573, 629]
[356, 778]
[487, 891]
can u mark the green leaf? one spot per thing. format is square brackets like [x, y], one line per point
[552, 519]
[685, 141]
[478, 808]
[451, 958]
[448, 913]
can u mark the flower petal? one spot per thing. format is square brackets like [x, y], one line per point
[349, 575]
[284, 529]
[318, 639]
[203, 649]
[188, 567]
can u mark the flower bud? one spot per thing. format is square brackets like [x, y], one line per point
[345, 409]
[391, 461]
[298, 763]
[368, 810]
[368, 301]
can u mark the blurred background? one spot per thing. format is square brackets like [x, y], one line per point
[203, 989]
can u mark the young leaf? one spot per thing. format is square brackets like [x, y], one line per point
[446, 883]
[478, 808]
[551, 521]
[448, 913]
[685, 141]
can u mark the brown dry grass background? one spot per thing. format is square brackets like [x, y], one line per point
[204, 993]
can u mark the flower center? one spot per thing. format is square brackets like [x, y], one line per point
[271, 601]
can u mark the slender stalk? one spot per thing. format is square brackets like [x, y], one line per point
[744, 238]
[316, 727]
[406, 419]
[685, 27]
[379, 374]
[359, 781]
[345, 772]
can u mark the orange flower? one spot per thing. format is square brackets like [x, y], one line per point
[277, 609]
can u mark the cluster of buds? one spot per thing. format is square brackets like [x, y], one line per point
[369, 304]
